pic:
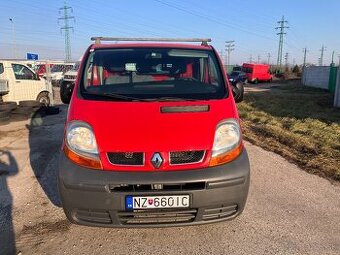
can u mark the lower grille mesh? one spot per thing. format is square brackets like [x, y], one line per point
[157, 217]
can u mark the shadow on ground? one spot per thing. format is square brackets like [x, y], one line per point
[8, 167]
[45, 139]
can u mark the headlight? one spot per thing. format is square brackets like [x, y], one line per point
[81, 145]
[227, 142]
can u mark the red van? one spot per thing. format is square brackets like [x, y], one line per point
[257, 72]
[152, 137]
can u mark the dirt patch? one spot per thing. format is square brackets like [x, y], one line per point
[44, 228]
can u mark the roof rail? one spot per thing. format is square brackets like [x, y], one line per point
[203, 41]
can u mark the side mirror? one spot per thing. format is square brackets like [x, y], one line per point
[66, 89]
[36, 77]
[238, 91]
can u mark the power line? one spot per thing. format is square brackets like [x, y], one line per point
[66, 28]
[282, 32]
[229, 47]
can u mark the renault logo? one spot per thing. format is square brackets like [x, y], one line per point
[156, 160]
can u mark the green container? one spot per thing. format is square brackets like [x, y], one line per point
[332, 78]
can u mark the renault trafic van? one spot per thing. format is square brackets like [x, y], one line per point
[152, 137]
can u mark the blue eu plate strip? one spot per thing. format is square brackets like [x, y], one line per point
[128, 202]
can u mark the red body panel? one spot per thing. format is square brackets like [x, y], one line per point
[141, 127]
[257, 71]
[42, 69]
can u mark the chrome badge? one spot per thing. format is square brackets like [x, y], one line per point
[156, 160]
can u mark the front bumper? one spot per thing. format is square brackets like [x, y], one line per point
[89, 196]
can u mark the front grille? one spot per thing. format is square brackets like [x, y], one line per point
[155, 187]
[126, 158]
[186, 157]
[165, 216]
[93, 216]
[219, 212]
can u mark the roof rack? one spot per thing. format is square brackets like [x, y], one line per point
[203, 41]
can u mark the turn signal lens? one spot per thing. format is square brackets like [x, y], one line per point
[81, 146]
[226, 157]
[81, 160]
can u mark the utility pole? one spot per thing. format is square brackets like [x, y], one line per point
[268, 58]
[229, 47]
[304, 56]
[281, 33]
[286, 61]
[66, 29]
[13, 39]
[251, 59]
[323, 49]
[221, 56]
[258, 59]
[332, 58]
[339, 59]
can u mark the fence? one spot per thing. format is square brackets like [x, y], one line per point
[316, 76]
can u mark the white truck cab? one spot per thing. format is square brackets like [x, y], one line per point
[22, 83]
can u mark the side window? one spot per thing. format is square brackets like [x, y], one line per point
[1, 68]
[214, 77]
[22, 72]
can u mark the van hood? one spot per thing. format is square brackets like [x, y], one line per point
[142, 127]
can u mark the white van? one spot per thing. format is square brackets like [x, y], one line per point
[23, 83]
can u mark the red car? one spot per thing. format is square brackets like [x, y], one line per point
[41, 69]
[257, 72]
[152, 137]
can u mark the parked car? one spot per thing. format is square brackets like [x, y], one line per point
[67, 83]
[58, 71]
[23, 83]
[152, 138]
[257, 72]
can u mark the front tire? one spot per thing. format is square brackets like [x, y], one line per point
[44, 99]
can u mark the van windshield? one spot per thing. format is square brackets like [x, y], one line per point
[152, 73]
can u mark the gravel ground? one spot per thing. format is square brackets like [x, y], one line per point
[288, 211]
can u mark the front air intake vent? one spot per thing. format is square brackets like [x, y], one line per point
[186, 157]
[126, 158]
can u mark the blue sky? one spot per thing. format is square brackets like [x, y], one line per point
[250, 23]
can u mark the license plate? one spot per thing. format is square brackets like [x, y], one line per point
[153, 202]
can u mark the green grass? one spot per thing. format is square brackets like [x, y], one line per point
[296, 122]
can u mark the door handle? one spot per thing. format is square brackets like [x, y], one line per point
[17, 81]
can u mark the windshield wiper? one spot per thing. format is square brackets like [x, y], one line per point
[170, 99]
[115, 96]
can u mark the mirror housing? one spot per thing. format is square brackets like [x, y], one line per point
[238, 91]
[66, 90]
